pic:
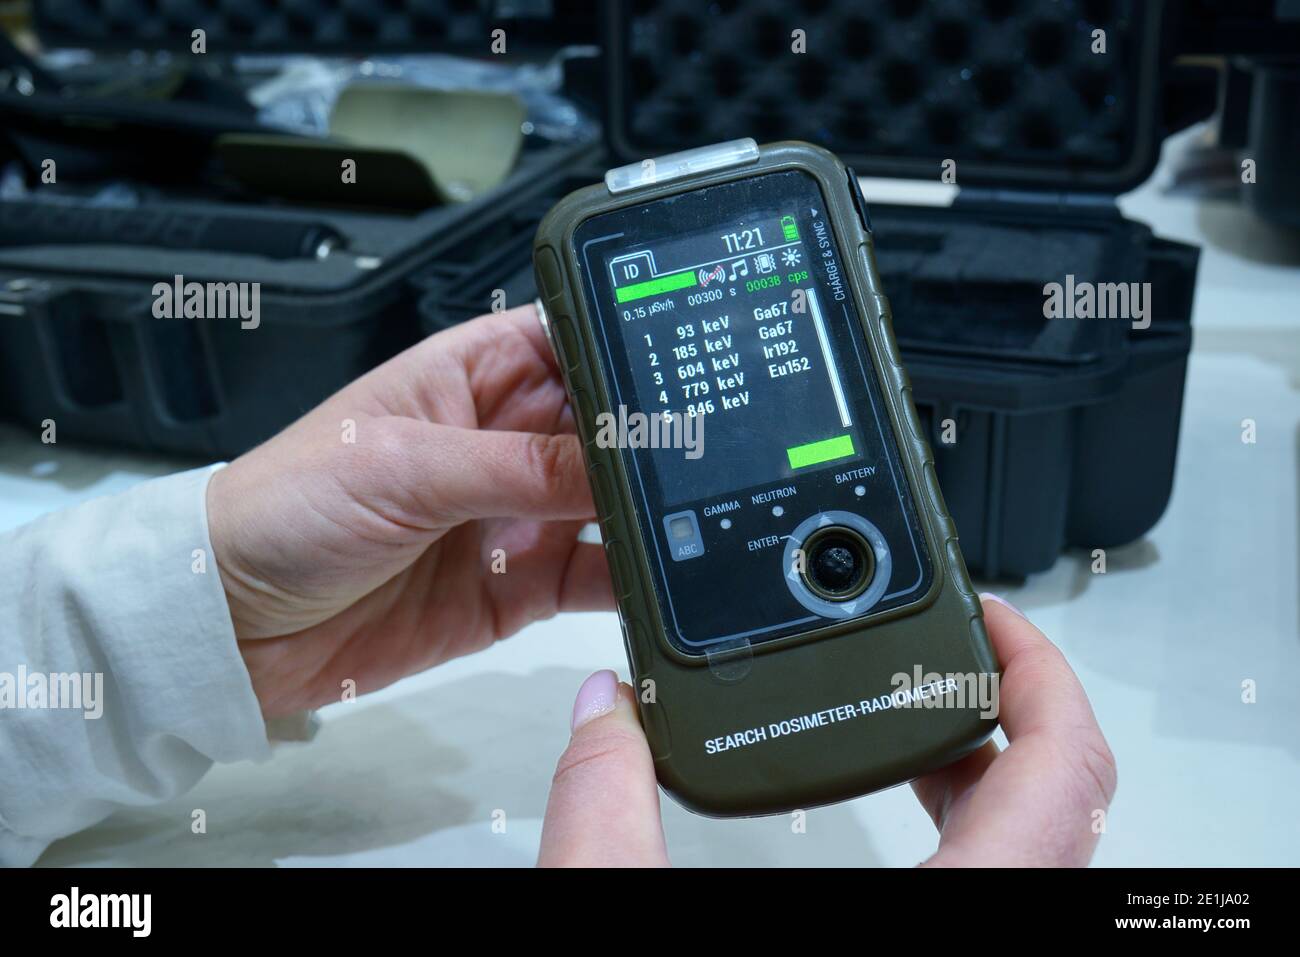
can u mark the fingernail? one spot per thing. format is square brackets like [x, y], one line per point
[1003, 602]
[598, 695]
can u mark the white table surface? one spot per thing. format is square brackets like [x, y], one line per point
[413, 775]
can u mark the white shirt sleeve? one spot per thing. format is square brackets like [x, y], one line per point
[120, 679]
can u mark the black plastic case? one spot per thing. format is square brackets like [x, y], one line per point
[1066, 430]
[79, 343]
[1066, 435]
[1010, 89]
[315, 26]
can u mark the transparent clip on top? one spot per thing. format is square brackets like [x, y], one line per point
[666, 169]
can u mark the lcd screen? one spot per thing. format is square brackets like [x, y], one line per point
[728, 307]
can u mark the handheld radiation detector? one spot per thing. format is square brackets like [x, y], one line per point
[798, 619]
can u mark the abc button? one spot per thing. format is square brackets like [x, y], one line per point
[684, 541]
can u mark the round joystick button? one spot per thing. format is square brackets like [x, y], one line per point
[837, 564]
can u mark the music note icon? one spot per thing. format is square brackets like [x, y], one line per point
[739, 267]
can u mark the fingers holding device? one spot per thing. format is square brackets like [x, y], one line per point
[1035, 804]
[797, 616]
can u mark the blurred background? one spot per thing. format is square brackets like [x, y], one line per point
[378, 168]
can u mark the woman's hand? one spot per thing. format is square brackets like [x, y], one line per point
[423, 512]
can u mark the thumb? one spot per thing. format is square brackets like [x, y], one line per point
[484, 473]
[441, 475]
[604, 805]
[1037, 803]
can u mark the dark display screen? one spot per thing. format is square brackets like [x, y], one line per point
[727, 308]
[726, 325]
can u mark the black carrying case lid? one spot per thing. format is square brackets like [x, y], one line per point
[1043, 128]
[311, 26]
[890, 87]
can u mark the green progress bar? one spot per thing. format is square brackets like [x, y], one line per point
[653, 287]
[815, 453]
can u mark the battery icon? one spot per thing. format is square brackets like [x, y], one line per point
[815, 453]
[789, 229]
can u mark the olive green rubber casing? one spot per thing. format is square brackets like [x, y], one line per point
[686, 700]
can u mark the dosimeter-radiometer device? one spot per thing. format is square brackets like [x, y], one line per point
[797, 615]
